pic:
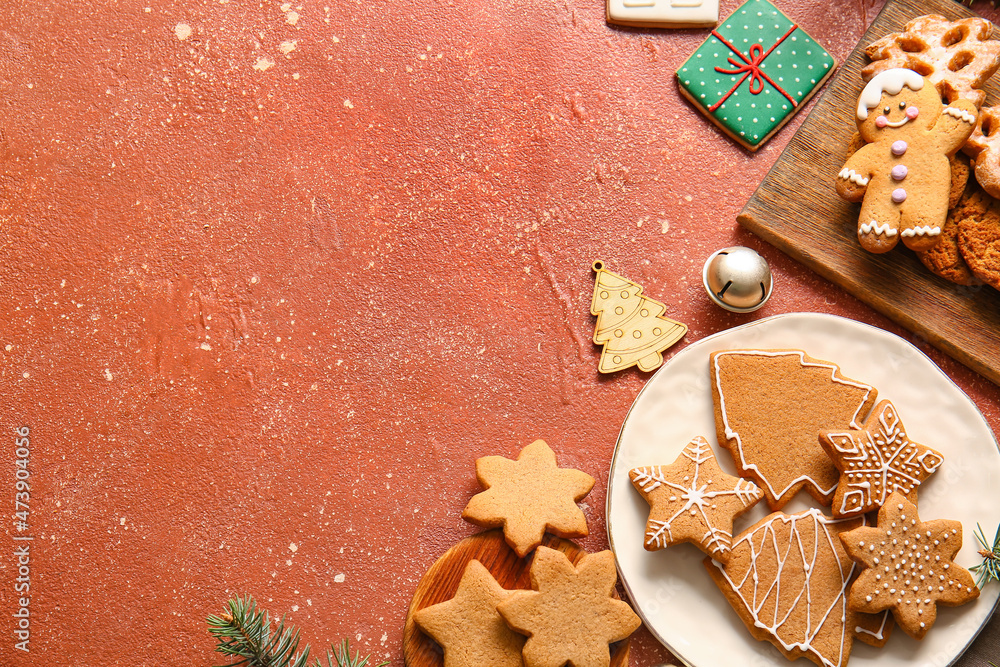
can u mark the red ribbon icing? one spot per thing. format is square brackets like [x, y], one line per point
[750, 67]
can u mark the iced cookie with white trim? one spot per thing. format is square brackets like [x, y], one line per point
[877, 460]
[663, 13]
[788, 579]
[754, 72]
[902, 176]
[908, 566]
[771, 406]
[693, 500]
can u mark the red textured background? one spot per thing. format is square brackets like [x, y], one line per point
[263, 321]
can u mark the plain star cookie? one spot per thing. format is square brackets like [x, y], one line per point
[770, 407]
[529, 496]
[787, 578]
[468, 627]
[570, 615]
[877, 460]
[692, 500]
[909, 567]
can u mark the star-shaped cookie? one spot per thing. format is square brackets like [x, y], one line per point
[875, 461]
[692, 500]
[570, 615]
[529, 496]
[468, 627]
[909, 566]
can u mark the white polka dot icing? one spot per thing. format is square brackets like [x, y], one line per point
[922, 574]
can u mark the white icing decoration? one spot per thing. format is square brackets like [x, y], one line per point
[695, 495]
[881, 230]
[961, 114]
[926, 230]
[796, 546]
[731, 434]
[890, 81]
[853, 176]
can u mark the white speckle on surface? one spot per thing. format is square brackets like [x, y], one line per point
[292, 18]
[263, 64]
[664, 226]
[295, 607]
[340, 578]
[348, 104]
[183, 31]
[293, 547]
[109, 377]
[9, 347]
[121, 521]
[288, 46]
[205, 346]
[288, 562]
[25, 375]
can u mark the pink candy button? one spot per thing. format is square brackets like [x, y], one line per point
[899, 195]
[899, 147]
[899, 172]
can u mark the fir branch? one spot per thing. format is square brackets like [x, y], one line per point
[990, 567]
[244, 633]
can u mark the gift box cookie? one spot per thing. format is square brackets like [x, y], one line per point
[754, 72]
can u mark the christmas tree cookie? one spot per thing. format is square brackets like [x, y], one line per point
[754, 72]
[630, 326]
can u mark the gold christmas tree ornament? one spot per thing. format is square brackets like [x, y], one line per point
[630, 326]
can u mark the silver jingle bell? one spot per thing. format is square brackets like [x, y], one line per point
[737, 279]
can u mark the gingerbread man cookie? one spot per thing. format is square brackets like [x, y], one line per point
[902, 176]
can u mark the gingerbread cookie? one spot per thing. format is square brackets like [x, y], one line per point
[468, 627]
[771, 431]
[984, 145]
[902, 176]
[956, 56]
[876, 461]
[754, 72]
[528, 497]
[663, 13]
[945, 259]
[979, 241]
[692, 500]
[909, 567]
[787, 578]
[570, 615]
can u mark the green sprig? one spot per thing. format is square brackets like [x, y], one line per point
[990, 567]
[244, 633]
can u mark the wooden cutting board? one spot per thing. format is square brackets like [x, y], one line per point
[441, 582]
[797, 210]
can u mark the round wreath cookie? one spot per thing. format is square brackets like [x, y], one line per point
[902, 175]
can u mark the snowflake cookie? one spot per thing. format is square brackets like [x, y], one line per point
[876, 461]
[754, 72]
[909, 566]
[692, 500]
[468, 627]
[570, 616]
[529, 496]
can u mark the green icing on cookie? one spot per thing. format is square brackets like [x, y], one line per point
[777, 66]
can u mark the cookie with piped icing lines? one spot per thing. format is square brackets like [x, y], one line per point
[788, 579]
[771, 406]
[877, 460]
[902, 175]
[908, 566]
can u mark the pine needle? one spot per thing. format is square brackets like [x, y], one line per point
[244, 633]
[990, 567]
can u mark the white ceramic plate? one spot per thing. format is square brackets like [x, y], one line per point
[671, 589]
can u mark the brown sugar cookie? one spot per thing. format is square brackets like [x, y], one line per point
[468, 627]
[692, 500]
[945, 259]
[956, 56]
[909, 566]
[529, 496]
[877, 460]
[787, 578]
[570, 615]
[770, 407]
[984, 145]
[902, 175]
[979, 242]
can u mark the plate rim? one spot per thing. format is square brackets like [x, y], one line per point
[749, 325]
